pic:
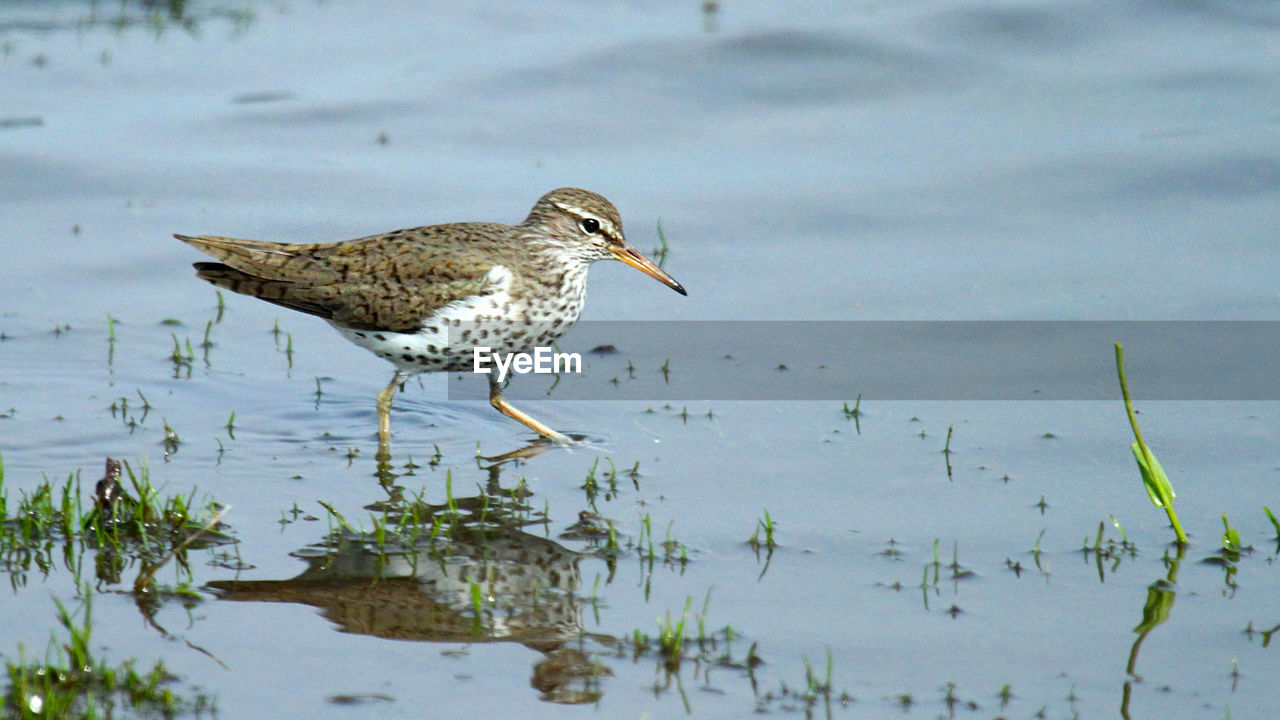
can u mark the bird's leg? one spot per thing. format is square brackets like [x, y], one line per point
[384, 415]
[501, 405]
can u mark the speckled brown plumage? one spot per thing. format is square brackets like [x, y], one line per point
[394, 293]
[383, 282]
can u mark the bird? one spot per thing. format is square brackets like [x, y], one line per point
[423, 298]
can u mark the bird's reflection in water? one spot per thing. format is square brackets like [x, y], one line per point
[425, 575]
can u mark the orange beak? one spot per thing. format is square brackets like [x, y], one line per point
[628, 255]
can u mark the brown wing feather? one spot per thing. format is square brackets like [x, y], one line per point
[273, 291]
[391, 281]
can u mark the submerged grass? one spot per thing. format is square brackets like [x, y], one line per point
[70, 682]
[671, 636]
[766, 525]
[123, 526]
[1275, 524]
[1154, 479]
[674, 647]
[673, 551]
[660, 252]
[1230, 537]
[407, 521]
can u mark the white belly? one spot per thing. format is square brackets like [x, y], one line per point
[495, 320]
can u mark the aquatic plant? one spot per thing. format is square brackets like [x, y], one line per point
[1154, 479]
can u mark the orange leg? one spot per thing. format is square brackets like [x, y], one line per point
[501, 405]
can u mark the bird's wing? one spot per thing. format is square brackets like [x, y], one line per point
[387, 282]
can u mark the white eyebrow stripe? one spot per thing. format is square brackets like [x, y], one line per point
[610, 230]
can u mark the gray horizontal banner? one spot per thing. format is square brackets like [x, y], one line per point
[909, 360]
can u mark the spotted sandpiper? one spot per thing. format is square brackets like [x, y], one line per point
[406, 295]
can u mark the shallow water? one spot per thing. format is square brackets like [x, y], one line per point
[823, 161]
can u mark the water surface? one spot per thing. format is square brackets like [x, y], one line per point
[819, 161]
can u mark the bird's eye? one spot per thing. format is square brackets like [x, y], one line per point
[590, 226]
